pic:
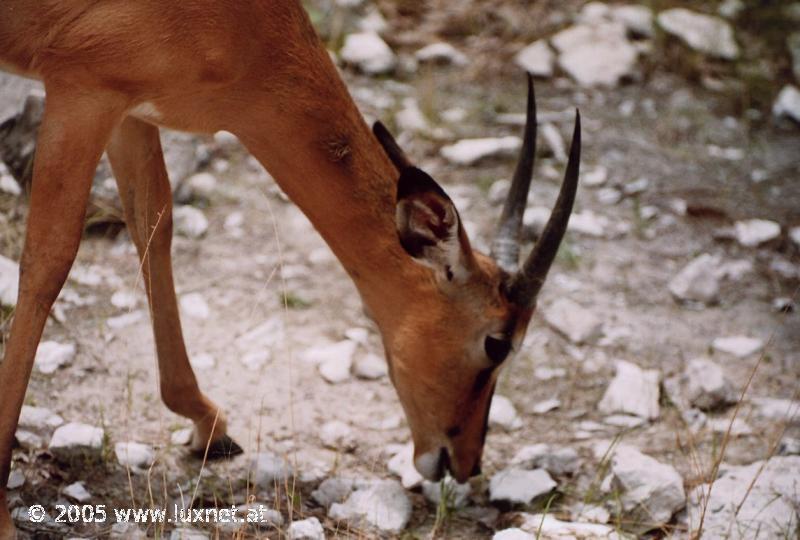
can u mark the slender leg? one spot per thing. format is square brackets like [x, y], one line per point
[138, 164]
[74, 130]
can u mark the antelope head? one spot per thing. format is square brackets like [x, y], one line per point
[445, 360]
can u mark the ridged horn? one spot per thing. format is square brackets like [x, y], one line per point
[526, 284]
[506, 243]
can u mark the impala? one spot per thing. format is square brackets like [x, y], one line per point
[115, 70]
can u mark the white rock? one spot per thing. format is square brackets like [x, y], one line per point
[588, 223]
[608, 196]
[557, 460]
[498, 191]
[195, 306]
[402, 465]
[597, 54]
[709, 35]
[369, 53]
[519, 486]
[550, 528]
[124, 320]
[470, 151]
[411, 118]
[544, 407]
[638, 20]
[442, 53]
[650, 492]
[633, 391]
[189, 221]
[740, 346]
[181, 437]
[574, 321]
[590, 513]
[336, 370]
[51, 355]
[135, 455]
[595, 177]
[76, 440]
[233, 222]
[333, 490]
[552, 138]
[269, 469]
[637, 187]
[202, 361]
[754, 232]
[306, 529]
[202, 185]
[370, 367]
[9, 282]
[15, 480]
[9, 185]
[126, 531]
[759, 500]
[545, 373]
[373, 21]
[778, 409]
[706, 385]
[124, 300]
[514, 533]
[323, 353]
[337, 435]
[730, 9]
[457, 495]
[535, 219]
[794, 235]
[624, 421]
[503, 414]
[383, 505]
[698, 281]
[39, 420]
[537, 59]
[787, 103]
[77, 492]
[29, 440]
[186, 533]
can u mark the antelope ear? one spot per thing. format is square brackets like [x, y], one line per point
[391, 147]
[429, 227]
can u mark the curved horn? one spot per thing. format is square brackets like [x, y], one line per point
[527, 283]
[505, 246]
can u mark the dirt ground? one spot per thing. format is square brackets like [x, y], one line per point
[245, 275]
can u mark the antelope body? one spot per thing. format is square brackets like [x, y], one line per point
[115, 70]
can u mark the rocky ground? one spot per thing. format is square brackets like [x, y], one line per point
[656, 389]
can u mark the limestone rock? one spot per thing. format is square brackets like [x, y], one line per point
[306, 529]
[574, 321]
[9, 282]
[759, 500]
[557, 460]
[75, 440]
[441, 53]
[650, 492]
[698, 281]
[519, 486]
[51, 355]
[470, 151]
[596, 54]
[707, 387]
[135, 455]
[269, 468]
[740, 346]
[503, 414]
[633, 391]
[754, 232]
[189, 222]
[537, 59]
[383, 505]
[369, 53]
[703, 33]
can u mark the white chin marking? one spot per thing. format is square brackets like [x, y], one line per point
[428, 464]
[146, 111]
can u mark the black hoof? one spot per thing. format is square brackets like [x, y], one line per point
[223, 448]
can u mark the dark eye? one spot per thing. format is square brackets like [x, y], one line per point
[497, 349]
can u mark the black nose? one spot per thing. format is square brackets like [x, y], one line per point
[476, 470]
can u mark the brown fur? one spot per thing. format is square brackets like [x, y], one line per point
[257, 69]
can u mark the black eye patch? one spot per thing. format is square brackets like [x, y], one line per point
[497, 349]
